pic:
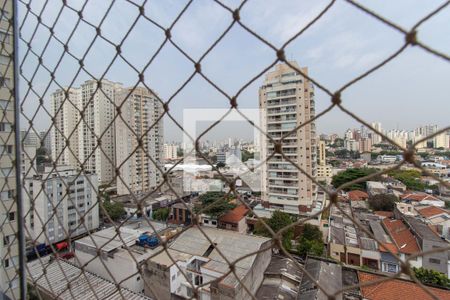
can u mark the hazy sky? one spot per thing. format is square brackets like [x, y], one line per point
[412, 90]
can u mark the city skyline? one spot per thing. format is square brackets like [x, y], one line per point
[334, 54]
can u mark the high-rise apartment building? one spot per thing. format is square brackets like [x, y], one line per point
[9, 250]
[376, 138]
[170, 151]
[287, 101]
[324, 171]
[64, 133]
[62, 202]
[96, 130]
[140, 121]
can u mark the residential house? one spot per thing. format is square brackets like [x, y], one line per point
[428, 240]
[419, 198]
[388, 262]
[395, 289]
[403, 240]
[180, 213]
[436, 216]
[202, 262]
[235, 219]
[374, 188]
[357, 195]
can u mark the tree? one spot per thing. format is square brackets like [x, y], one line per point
[219, 201]
[337, 143]
[246, 155]
[410, 178]
[278, 221]
[42, 156]
[350, 175]
[311, 241]
[383, 202]
[432, 277]
[161, 214]
[115, 210]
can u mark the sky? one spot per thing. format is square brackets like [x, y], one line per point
[410, 91]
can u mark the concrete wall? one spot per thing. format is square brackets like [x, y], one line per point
[252, 280]
[442, 257]
[157, 281]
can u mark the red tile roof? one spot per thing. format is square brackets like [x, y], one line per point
[357, 195]
[417, 197]
[235, 215]
[402, 237]
[387, 214]
[430, 211]
[396, 289]
[388, 247]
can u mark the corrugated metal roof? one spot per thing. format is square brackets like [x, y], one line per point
[66, 281]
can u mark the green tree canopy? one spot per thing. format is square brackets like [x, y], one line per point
[278, 221]
[311, 241]
[246, 155]
[352, 174]
[432, 277]
[115, 210]
[410, 178]
[161, 214]
[219, 208]
[384, 202]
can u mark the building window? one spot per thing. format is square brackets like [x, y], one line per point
[434, 261]
[7, 239]
[11, 216]
[5, 127]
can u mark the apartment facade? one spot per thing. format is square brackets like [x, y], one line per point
[96, 131]
[64, 133]
[9, 282]
[286, 99]
[60, 203]
[324, 171]
[170, 151]
[140, 120]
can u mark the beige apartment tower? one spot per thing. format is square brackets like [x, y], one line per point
[9, 249]
[96, 130]
[140, 119]
[286, 100]
[64, 133]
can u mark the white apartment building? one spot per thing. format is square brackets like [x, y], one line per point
[286, 101]
[398, 136]
[9, 282]
[324, 171]
[376, 138]
[97, 101]
[351, 145]
[140, 118]
[60, 203]
[170, 151]
[64, 134]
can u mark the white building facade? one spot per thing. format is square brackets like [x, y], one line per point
[286, 100]
[60, 203]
